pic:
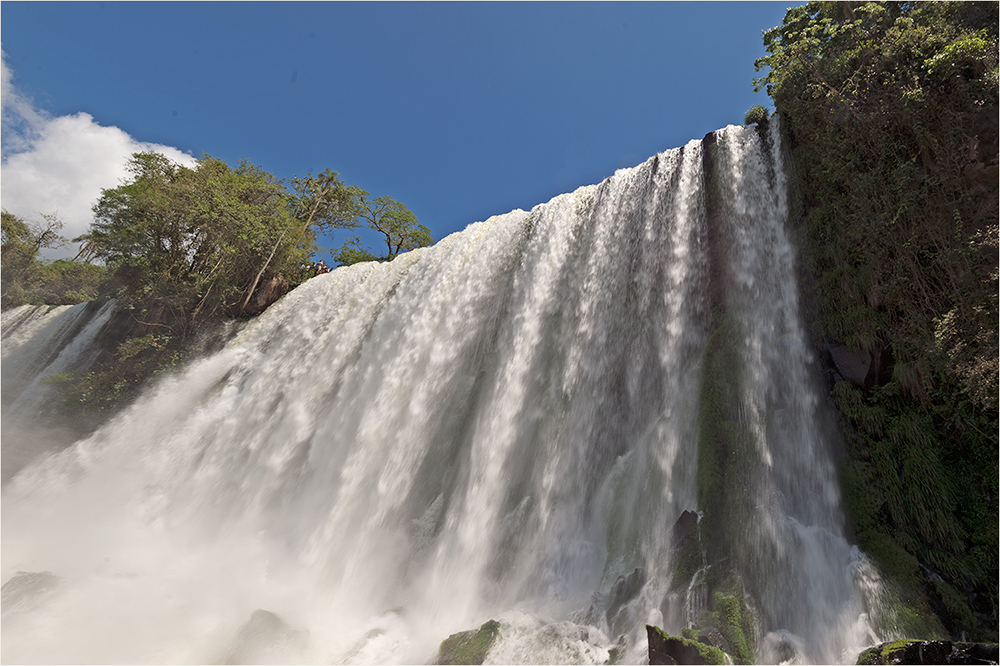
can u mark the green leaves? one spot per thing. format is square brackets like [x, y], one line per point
[326, 202]
[25, 278]
[195, 239]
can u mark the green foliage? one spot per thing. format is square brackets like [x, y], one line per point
[27, 279]
[192, 240]
[393, 220]
[353, 253]
[130, 356]
[707, 654]
[469, 647]
[329, 204]
[755, 115]
[891, 113]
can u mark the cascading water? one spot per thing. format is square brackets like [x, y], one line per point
[499, 426]
[38, 343]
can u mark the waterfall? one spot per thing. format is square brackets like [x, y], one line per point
[501, 426]
[38, 343]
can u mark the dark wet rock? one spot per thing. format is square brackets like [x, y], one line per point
[852, 365]
[781, 647]
[268, 293]
[865, 369]
[469, 647]
[625, 589]
[685, 528]
[667, 649]
[594, 611]
[686, 549]
[26, 589]
[266, 639]
[930, 652]
[618, 652]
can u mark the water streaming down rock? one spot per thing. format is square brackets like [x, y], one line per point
[499, 426]
[39, 342]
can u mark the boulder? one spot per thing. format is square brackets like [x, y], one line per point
[469, 647]
[930, 652]
[781, 647]
[25, 590]
[852, 365]
[685, 528]
[666, 649]
[625, 589]
[268, 292]
[866, 369]
[686, 550]
[266, 639]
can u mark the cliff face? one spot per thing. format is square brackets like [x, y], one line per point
[896, 220]
[890, 110]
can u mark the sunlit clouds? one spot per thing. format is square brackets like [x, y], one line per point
[58, 165]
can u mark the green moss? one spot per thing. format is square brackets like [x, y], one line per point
[707, 654]
[735, 624]
[469, 647]
[882, 654]
[722, 441]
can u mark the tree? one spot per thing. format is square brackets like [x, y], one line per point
[193, 240]
[397, 224]
[322, 201]
[22, 241]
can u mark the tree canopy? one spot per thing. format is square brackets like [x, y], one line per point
[192, 240]
[26, 278]
[397, 224]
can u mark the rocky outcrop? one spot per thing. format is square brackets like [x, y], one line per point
[625, 589]
[266, 639]
[930, 652]
[865, 369]
[469, 647]
[666, 649]
[26, 589]
[267, 293]
[686, 549]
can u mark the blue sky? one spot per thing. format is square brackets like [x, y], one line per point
[459, 110]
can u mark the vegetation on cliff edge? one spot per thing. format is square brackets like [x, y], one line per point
[181, 249]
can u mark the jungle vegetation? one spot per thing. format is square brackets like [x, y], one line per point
[891, 113]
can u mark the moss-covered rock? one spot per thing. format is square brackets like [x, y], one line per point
[930, 652]
[469, 647]
[735, 623]
[667, 649]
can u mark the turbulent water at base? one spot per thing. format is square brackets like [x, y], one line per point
[496, 427]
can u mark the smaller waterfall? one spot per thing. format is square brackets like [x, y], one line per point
[39, 343]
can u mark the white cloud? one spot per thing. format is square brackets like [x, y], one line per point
[59, 165]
